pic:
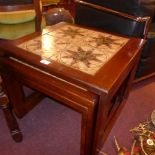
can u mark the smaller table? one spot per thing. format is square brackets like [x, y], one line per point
[86, 70]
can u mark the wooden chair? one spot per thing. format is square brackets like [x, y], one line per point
[107, 19]
[19, 18]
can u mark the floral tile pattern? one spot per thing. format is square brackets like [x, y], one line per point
[79, 48]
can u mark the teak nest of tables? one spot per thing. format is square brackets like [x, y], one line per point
[86, 70]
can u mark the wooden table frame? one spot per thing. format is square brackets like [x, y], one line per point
[99, 102]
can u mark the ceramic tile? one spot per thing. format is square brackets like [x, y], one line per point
[79, 48]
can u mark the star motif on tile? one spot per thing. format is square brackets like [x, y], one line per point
[105, 40]
[81, 55]
[71, 32]
[35, 45]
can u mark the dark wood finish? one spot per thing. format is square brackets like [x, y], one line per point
[9, 116]
[98, 98]
[38, 8]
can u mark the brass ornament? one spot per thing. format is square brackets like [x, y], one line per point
[153, 117]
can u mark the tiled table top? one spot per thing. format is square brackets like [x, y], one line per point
[82, 49]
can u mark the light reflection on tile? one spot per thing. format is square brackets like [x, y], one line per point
[79, 48]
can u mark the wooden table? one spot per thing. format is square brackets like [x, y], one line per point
[86, 70]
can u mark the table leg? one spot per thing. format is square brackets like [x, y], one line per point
[10, 119]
